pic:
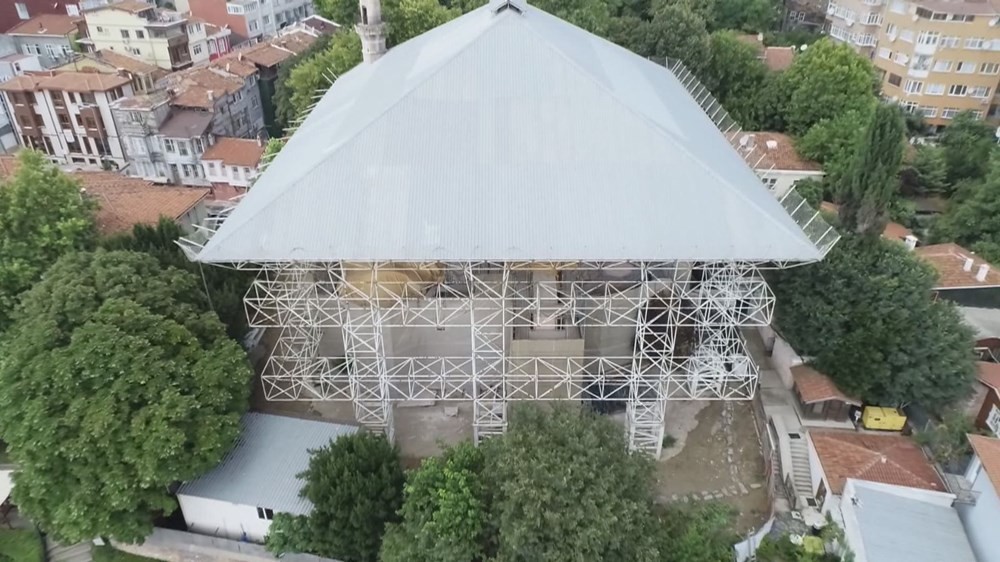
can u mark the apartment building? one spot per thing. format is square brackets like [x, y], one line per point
[937, 58]
[154, 35]
[51, 37]
[250, 20]
[12, 13]
[163, 143]
[67, 115]
[231, 165]
[207, 41]
[12, 65]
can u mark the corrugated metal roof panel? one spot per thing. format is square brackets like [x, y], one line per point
[900, 529]
[261, 469]
[508, 137]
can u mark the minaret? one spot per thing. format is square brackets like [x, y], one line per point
[372, 30]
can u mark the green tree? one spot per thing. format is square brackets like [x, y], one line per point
[734, 75]
[792, 38]
[116, 384]
[356, 487]
[592, 15]
[926, 172]
[833, 143]
[770, 107]
[811, 190]
[704, 9]
[866, 316]
[697, 533]
[566, 489]
[43, 215]
[445, 512]
[871, 183]
[344, 12]
[272, 149]
[967, 144]
[827, 80]
[675, 32]
[751, 16]
[973, 215]
[408, 18]
[308, 75]
[948, 439]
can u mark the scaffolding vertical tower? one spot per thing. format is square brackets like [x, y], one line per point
[448, 225]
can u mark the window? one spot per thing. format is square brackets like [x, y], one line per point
[949, 112]
[891, 29]
[966, 67]
[884, 53]
[894, 79]
[928, 111]
[196, 50]
[924, 13]
[963, 17]
[211, 168]
[139, 34]
[64, 121]
[266, 19]
[942, 66]
[52, 50]
[235, 172]
[921, 62]
[246, 172]
[199, 146]
[993, 420]
[913, 87]
[906, 35]
[980, 92]
[252, 25]
[990, 68]
[873, 18]
[115, 94]
[910, 106]
[928, 38]
[934, 89]
[253, 102]
[901, 58]
[939, 16]
[974, 43]
[978, 114]
[949, 42]
[89, 123]
[958, 90]
[22, 11]
[32, 49]
[182, 148]
[169, 145]
[133, 50]
[265, 513]
[66, 50]
[125, 34]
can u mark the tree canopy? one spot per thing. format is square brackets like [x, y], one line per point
[866, 316]
[735, 76]
[43, 215]
[311, 73]
[871, 183]
[967, 143]
[356, 486]
[116, 384]
[828, 80]
[972, 218]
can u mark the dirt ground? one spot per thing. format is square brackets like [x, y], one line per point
[716, 456]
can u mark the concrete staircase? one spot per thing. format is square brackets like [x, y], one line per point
[79, 552]
[801, 479]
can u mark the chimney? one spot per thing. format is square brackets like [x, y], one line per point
[968, 265]
[227, 67]
[211, 97]
[760, 37]
[984, 269]
[911, 241]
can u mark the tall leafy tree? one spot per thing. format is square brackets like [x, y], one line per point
[825, 81]
[311, 74]
[116, 384]
[972, 218]
[697, 533]
[967, 144]
[552, 473]
[734, 75]
[43, 215]
[926, 172]
[751, 16]
[592, 15]
[872, 180]
[408, 18]
[675, 31]
[867, 317]
[344, 12]
[445, 513]
[356, 487]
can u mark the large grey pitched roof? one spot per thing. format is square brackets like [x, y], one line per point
[260, 471]
[899, 529]
[508, 136]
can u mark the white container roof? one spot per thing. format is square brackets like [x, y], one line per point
[508, 135]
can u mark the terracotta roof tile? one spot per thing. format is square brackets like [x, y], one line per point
[235, 152]
[893, 230]
[779, 58]
[949, 262]
[23, 83]
[68, 81]
[989, 374]
[814, 386]
[988, 451]
[46, 24]
[782, 156]
[126, 62]
[130, 6]
[888, 459]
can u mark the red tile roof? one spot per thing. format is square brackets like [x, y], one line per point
[779, 58]
[235, 152]
[888, 459]
[814, 386]
[893, 230]
[46, 24]
[988, 374]
[949, 262]
[775, 150]
[988, 451]
[68, 81]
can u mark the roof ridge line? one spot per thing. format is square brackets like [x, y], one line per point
[645, 119]
[377, 117]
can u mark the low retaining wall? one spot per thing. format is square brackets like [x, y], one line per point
[179, 546]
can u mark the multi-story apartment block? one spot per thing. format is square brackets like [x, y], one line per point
[937, 58]
[67, 115]
[10, 66]
[227, 88]
[49, 36]
[250, 20]
[163, 143]
[206, 41]
[231, 165]
[156, 36]
[12, 13]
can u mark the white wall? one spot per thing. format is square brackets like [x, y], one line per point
[783, 357]
[785, 179]
[816, 474]
[981, 520]
[223, 519]
[852, 528]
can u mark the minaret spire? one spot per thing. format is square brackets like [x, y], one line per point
[372, 30]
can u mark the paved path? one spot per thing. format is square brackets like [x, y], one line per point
[79, 552]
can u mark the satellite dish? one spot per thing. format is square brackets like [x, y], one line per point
[803, 47]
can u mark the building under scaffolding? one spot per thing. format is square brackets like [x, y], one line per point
[510, 208]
